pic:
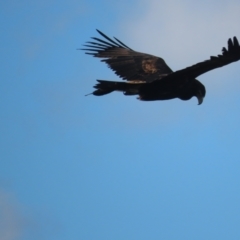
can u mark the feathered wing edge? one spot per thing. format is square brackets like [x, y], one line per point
[229, 55]
[101, 45]
[126, 63]
[233, 45]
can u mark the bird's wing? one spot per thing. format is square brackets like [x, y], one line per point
[125, 62]
[229, 55]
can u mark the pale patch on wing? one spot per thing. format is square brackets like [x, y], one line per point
[135, 81]
[149, 65]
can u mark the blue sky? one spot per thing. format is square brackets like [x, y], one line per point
[113, 167]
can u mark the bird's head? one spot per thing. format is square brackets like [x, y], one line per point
[199, 91]
[193, 89]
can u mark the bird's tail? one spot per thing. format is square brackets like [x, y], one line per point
[128, 88]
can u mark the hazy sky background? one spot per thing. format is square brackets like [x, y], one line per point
[76, 167]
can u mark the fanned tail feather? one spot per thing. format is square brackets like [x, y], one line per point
[104, 87]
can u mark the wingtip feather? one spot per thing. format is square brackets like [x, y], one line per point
[235, 42]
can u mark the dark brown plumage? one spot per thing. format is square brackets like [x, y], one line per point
[149, 76]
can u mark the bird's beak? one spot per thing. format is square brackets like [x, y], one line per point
[200, 98]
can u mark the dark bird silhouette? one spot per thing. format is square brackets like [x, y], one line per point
[149, 76]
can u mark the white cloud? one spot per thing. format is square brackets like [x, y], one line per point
[11, 223]
[18, 221]
[183, 32]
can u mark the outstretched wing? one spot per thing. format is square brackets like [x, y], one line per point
[125, 62]
[229, 55]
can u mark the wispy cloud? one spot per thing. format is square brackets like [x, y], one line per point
[18, 221]
[184, 31]
[11, 222]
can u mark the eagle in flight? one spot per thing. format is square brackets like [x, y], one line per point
[149, 76]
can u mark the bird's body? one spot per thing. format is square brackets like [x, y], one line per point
[149, 76]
